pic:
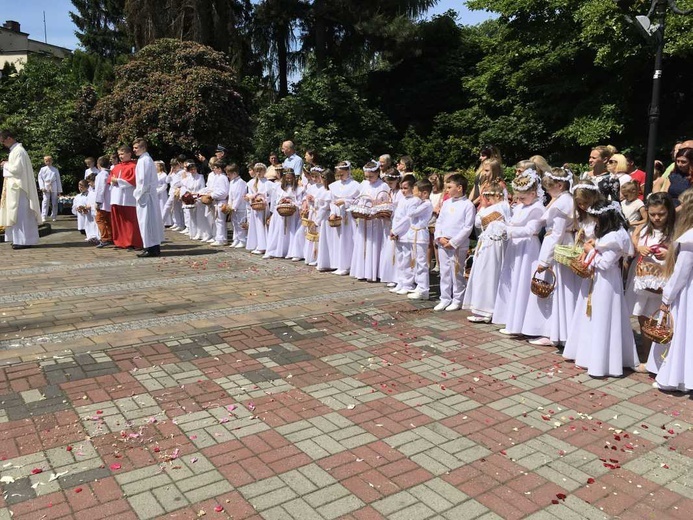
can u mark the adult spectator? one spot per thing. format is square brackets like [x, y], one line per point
[126, 231]
[599, 156]
[274, 169]
[51, 188]
[293, 161]
[148, 209]
[20, 212]
[221, 154]
[405, 165]
[617, 166]
[681, 178]
[386, 168]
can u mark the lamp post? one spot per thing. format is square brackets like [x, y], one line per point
[655, 31]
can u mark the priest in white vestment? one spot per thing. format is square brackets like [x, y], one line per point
[20, 211]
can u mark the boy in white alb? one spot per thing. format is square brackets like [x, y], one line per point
[219, 185]
[50, 186]
[416, 240]
[453, 228]
[236, 201]
[404, 271]
[173, 203]
[343, 192]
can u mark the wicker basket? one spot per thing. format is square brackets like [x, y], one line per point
[312, 234]
[258, 204]
[363, 209]
[383, 207]
[649, 276]
[491, 217]
[305, 221]
[286, 209]
[188, 198]
[226, 209]
[659, 330]
[334, 221]
[565, 254]
[207, 200]
[542, 288]
[580, 268]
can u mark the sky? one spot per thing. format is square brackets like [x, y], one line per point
[61, 31]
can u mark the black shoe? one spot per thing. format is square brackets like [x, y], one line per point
[148, 254]
[104, 244]
[17, 246]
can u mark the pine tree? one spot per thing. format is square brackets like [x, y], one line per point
[101, 27]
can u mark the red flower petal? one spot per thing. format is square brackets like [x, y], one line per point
[78, 490]
[218, 509]
[36, 471]
[555, 502]
[561, 496]
[69, 448]
[115, 466]
[590, 480]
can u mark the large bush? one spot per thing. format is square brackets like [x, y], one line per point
[180, 96]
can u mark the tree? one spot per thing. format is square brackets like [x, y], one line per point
[101, 27]
[328, 114]
[177, 95]
[41, 103]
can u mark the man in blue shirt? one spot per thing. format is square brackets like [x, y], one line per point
[293, 161]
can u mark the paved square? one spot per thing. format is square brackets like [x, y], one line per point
[211, 383]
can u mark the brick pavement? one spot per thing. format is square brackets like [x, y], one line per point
[200, 384]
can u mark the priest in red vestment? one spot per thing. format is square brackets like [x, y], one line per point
[126, 231]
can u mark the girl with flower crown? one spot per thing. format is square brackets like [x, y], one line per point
[600, 333]
[522, 253]
[494, 213]
[548, 319]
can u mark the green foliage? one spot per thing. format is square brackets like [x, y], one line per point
[41, 104]
[328, 114]
[101, 27]
[177, 95]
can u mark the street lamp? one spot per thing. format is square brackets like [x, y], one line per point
[655, 31]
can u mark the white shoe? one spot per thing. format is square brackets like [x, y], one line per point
[233, 244]
[479, 319]
[184, 230]
[404, 291]
[342, 272]
[266, 256]
[453, 307]
[240, 245]
[55, 220]
[395, 289]
[542, 342]
[506, 332]
[217, 243]
[209, 240]
[391, 284]
[296, 259]
[417, 295]
[441, 306]
[174, 228]
[257, 252]
[312, 264]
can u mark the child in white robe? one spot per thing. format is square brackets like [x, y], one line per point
[236, 201]
[282, 230]
[401, 224]
[193, 184]
[369, 234]
[308, 208]
[415, 241]
[549, 319]
[218, 187]
[522, 253]
[601, 324]
[651, 242]
[327, 244]
[388, 258]
[482, 286]
[91, 229]
[343, 192]
[453, 228]
[163, 181]
[676, 371]
[259, 190]
[79, 206]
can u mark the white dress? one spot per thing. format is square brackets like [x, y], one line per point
[282, 229]
[644, 303]
[520, 261]
[148, 209]
[676, 371]
[551, 317]
[604, 340]
[482, 286]
[368, 237]
[388, 256]
[257, 229]
[310, 249]
[328, 242]
[347, 191]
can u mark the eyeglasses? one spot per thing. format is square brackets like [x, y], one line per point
[611, 161]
